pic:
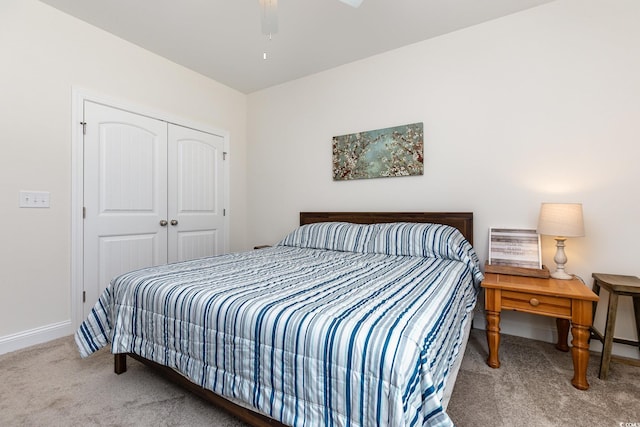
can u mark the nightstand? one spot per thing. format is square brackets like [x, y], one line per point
[566, 300]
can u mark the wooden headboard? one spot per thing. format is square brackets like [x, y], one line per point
[463, 221]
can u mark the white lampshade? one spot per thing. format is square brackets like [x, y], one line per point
[561, 219]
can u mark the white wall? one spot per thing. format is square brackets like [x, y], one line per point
[44, 53]
[538, 106]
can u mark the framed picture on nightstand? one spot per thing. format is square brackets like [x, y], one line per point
[514, 247]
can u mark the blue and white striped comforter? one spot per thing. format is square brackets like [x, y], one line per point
[309, 337]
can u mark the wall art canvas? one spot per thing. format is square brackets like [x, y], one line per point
[394, 151]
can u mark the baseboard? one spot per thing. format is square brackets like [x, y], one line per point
[522, 325]
[40, 335]
[544, 329]
[621, 350]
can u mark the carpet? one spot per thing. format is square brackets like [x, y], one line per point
[49, 385]
[533, 387]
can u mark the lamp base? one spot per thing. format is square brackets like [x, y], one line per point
[561, 260]
[561, 274]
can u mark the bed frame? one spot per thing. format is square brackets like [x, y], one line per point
[463, 221]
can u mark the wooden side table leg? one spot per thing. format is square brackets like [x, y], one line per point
[563, 334]
[594, 309]
[636, 309]
[609, 330]
[581, 325]
[596, 290]
[580, 353]
[493, 338]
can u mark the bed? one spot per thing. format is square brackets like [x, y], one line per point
[352, 319]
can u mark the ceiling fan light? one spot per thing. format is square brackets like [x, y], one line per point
[352, 3]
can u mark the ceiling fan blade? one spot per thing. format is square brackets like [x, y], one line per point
[352, 3]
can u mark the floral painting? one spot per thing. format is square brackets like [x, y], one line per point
[394, 151]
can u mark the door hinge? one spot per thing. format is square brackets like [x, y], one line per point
[224, 155]
[84, 296]
[224, 212]
[84, 127]
[84, 212]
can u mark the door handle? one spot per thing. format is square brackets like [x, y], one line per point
[174, 222]
[163, 222]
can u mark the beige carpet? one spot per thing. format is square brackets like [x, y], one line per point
[49, 385]
[533, 388]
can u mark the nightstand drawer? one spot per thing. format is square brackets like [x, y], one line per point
[534, 303]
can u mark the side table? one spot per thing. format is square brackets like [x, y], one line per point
[616, 285]
[566, 300]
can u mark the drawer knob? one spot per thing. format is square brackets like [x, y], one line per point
[534, 302]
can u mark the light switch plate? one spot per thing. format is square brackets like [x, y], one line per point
[34, 199]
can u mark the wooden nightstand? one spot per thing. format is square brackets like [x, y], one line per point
[566, 300]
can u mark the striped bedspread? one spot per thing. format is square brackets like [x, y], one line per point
[305, 335]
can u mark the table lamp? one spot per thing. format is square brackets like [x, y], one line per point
[561, 220]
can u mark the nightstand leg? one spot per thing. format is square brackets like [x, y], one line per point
[581, 327]
[563, 334]
[493, 338]
[580, 353]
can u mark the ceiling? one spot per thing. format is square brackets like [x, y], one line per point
[222, 39]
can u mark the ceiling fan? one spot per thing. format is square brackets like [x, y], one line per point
[270, 18]
[352, 3]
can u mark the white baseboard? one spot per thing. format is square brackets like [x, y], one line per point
[522, 325]
[544, 329]
[622, 350]
[40, 335]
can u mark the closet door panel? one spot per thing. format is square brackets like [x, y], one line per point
[196, 214]
[125, 195]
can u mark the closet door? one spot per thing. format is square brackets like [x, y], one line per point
[125, 195]
[153, 193]
[195, 209]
